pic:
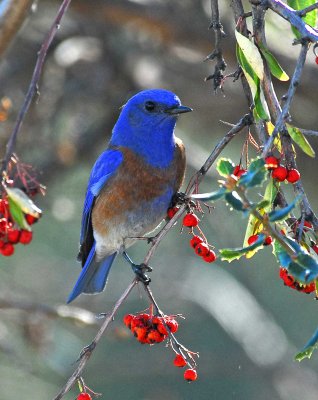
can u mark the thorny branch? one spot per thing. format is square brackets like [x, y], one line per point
[220, 66]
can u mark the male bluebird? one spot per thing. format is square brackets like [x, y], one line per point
[131, 184]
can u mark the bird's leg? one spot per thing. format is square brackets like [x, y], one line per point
[139, 269]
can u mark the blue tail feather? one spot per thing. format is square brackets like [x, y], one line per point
[93, 276]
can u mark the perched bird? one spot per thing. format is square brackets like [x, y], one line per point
[131, 184]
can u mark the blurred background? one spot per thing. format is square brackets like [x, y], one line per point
[244, 323]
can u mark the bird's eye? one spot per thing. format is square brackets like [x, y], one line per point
[150, 106]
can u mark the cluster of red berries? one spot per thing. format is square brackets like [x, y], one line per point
[10, 233]
[202, 249]
[200, 245]
[290, 281]
[150, 329]
[281, 173]
[253, 238]
[84, 396]
[190, 374]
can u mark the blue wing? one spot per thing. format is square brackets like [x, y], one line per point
[105, 166]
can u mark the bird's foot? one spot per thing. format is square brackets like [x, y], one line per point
[180, 198]
[139, 269]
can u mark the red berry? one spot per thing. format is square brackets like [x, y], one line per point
[7, 249]
[236, 169]
[140, 333]
[154, 336]
[190, 375]
[172, 211]
[4, 206]
[179, 361]
[252, 239]
[268, 240]
[84, 396]
[241, 172]
[25, 236]
[4, 225]
[293, 175]
[127, 319]
[271, 162]
[316, 60]
[2, 243]
[280, 173]
[13, 235]
[314, 247]
[172, 325]
[30, 219]
[190, 220]
[202, 249]
[195, 241]
[210, 257]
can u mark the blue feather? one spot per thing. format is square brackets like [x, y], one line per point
[93, 276]
[105, 166]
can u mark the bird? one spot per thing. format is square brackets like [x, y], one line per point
[131, 184]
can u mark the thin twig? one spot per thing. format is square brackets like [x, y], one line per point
[33, 87]
[74, 314]
[306, 10]
[289, 97]
[292, 16]
[86, 354]
[217, 54]
[308, 132]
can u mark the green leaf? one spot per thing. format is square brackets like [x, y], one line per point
[255, 174]
[260, 103]
[18, 215]
[225, 167]
[300, 140]
[23, 201]
[251, 53]
[309, 348]
[233, 254]
[310, 18]
[235, 201]
[210, 196]
[282, 213]
[275, 68]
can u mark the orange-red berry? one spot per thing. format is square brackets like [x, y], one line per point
[84, 396]
[316, 60]
[202, 249]
[190, 375]
[4, 206]
[314, 247]
[252, 239]
[127, 319]
[154, 336]
[7, 249]
[195, 241]
[293, 175]
[25, 236]
[238, 171]
[190, 220]
[280, 173]
[268, 240]
[271, 162]
[172, 211]
[179, 361]
[210, 257]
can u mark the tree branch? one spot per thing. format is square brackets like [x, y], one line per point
[294, 18]
[33, 87]
[288, 98]
[87, 351]
[217, 54]
[306, 10]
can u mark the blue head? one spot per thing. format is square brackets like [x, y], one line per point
[146, 125]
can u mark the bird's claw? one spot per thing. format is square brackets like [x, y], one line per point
[140, 270]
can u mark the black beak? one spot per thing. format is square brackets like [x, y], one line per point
[178, 110]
